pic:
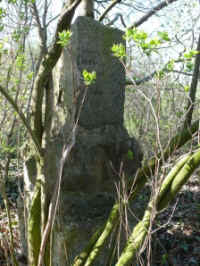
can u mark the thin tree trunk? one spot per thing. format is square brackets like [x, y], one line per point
[193, 88]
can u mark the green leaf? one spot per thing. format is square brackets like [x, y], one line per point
[154, 42]
[20, 62]
[186, 88]
[119, 50]
[140, 36]
[190, 54]
[145, 46]
[64, 37]
[129, 34]
[170, 65]
[30, 75]
[160, 74]
[89, 77]
[189, 66]
[164, 36]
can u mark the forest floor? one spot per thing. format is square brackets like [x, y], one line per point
[175, 240]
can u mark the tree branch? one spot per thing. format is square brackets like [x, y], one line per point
[41, 28]
[23, 119]
[193, 87]
[114, 3]
[141, 81]
[46, 66]
[117, 15]
[150, 76]
[152, 12]
[51, 20]
[182, 72]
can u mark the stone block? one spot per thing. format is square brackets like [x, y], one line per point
[90, 49]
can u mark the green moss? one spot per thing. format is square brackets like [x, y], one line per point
[34, 226]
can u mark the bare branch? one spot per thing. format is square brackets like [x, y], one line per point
[39, 25]
[44, 17]
[23, 119]
[51, 20]
[114, 3]
[182, 72]
[149, 77]
[152, 12]
[118, 15]
[143, 80]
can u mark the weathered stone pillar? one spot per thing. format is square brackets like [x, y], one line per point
[90, 49]
[102, 142]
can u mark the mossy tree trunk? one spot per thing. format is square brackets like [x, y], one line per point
[171, 185]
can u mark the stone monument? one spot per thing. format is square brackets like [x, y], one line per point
[90, 49]
[102, 145]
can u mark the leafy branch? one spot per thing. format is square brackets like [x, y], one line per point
[23, 119]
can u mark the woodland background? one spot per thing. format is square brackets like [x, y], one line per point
[161, 110]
